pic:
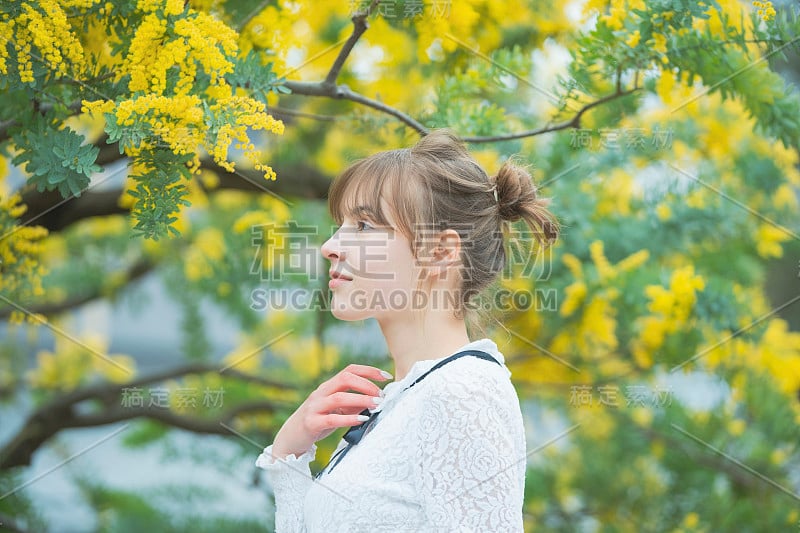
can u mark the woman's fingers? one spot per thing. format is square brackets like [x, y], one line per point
[326, 420]
[357, 378]
[331, 406]
[337, 421]
[347, 403]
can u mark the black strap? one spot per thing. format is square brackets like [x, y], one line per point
[476, 353]
[355, 433]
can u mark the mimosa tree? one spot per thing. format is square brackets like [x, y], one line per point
[194, 141]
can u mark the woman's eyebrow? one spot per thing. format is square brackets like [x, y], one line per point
[361, 210]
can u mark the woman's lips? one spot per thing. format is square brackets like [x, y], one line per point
[337, 278]
[335, 282]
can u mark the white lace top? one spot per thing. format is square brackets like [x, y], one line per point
[447, 454]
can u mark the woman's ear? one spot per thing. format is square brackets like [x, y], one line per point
[446, 253]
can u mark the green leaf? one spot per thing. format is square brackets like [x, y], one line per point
[55, 158]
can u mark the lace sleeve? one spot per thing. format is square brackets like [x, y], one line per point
[290, 479]
[471, 448]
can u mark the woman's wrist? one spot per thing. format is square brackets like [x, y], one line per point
[282, 453]
[284, 445]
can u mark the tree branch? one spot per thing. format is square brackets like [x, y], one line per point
[62, 411]
[359, 27]
[574, 122]
[736, 474]
[7, 523]
[104, 391]
[170, 418]
[343, 92]
[300, 180]
[138, 270]
[287, 115]
[720, 464]
[250, 16]
[49, 209]
[7, 125]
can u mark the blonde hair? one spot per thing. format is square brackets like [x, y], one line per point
[436, 185]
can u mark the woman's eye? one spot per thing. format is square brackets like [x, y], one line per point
[361, 225]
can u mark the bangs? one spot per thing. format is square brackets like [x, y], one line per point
[357, 192]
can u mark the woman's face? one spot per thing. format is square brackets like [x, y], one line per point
[377, 271]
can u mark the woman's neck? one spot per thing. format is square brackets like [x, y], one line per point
[409, 341]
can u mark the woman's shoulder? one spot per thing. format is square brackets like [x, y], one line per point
[470, 376]
[470, 395]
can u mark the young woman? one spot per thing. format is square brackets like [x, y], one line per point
[442, 447]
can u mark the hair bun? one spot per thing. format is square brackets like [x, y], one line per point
[517, 198]
[514, 189]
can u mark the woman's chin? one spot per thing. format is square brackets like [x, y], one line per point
[344, 311]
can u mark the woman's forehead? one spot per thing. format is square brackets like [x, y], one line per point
[360, 203]
[377, 213]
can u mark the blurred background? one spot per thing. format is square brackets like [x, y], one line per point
[164, 307]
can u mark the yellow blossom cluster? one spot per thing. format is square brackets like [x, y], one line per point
[170, 7]
[77, 4]
[724, 133]
[593, 335]
[97, 106]
[660, 43]
[615, 193]
[733, 11]
[42, 25]
[443, 27]
[6, 29]
[21, 249]
[74, 362]
[677, 302]
[208, 248]
[176, 42]
[576, 292]
[769, 238]
[777, 353]
[272, 214]
[160, 45]
[633, 39]
[597, 327]
[251, 220]
[612, 12]
[210, 42]
[286, 26]
[307, 357]
[246, 357]
[670, 308]
[101, 227]
[146, 74]
[765, 10]
[177, 120]
[242, 113]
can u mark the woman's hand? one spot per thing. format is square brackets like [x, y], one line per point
[329, 407]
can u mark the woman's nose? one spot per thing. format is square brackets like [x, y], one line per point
[330, 248]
